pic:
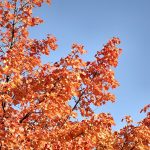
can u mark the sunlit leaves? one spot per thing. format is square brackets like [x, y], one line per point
[42, 104]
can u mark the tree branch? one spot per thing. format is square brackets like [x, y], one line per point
[25, 117]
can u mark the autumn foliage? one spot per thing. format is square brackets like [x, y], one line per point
[42, 104]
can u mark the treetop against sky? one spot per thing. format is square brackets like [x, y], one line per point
[59, 103]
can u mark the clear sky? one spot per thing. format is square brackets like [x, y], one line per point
[92, 23]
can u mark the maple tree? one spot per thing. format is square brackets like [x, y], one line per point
[41, 103]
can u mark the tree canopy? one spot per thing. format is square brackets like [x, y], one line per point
[41, 103]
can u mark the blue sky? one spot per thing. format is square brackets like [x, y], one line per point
[92, 23]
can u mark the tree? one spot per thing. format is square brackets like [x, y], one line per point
[40, 103]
